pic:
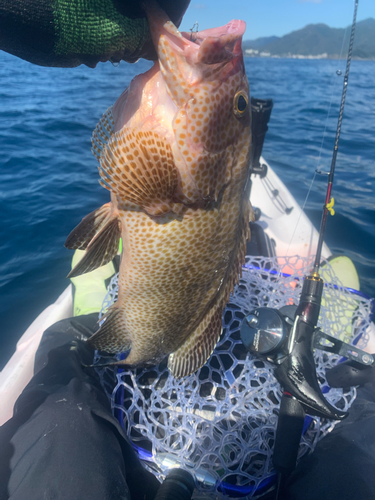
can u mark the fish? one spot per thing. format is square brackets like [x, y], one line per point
[174, 152]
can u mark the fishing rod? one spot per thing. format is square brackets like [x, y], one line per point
[288, 336]
[328, 205]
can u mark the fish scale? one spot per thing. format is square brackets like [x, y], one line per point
[174, 152]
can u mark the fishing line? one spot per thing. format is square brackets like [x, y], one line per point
[194, 30]
[302, 211]
[328, 201]
[338, 73]
[317, 170]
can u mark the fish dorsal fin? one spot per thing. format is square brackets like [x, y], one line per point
[82, 234]
[195, 351]
[102, 133]
[103, 237]
[138, 167]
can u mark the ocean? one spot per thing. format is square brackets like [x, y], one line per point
[49, 177]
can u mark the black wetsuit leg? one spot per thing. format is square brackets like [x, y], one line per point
[342, 465]
[63, 442]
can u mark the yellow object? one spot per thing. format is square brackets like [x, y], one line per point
[346, 273]
[90, 288]
[330, 206]
[344, 270]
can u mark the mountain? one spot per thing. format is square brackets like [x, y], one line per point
[317, 40]
[259, 42]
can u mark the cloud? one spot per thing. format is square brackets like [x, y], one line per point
[199, 6]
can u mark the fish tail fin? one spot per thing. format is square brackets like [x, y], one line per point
[112, 336]
[99, 234]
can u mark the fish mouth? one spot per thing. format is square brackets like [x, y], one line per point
[214, 45]
[232, 31]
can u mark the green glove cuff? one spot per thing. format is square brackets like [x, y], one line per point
[67, 33]
[92, 27]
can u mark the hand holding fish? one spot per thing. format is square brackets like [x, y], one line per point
[65, 34]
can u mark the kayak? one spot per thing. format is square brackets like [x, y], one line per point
[282, 229]
[282, 247]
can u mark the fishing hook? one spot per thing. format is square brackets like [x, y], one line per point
[194, 30]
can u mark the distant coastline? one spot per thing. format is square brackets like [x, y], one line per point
[262, 54]
[316, 41]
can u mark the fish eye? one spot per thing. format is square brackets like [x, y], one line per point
[240, 103]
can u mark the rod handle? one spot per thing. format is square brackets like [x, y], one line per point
[288, 434]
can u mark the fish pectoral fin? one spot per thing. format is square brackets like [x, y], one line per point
[102, 133]
[101, 249]
[197, 348]
[82, 234]
[138, 167]
[112, 336]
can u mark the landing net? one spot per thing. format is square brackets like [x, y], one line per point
[219, 423]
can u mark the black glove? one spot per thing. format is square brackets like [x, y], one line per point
[67, 33]
[350, 374]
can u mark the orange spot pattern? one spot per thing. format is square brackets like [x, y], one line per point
[216, 138]
[179, 267]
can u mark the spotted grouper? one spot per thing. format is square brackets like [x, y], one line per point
[174, 153]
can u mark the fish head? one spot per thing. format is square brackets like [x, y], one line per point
[195, 102]
[205, 78]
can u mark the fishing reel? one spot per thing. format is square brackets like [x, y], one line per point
[287, 338]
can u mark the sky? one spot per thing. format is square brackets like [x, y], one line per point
[275, 17]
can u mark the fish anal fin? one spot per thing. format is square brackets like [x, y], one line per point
[112, 336]
[82, 234]
[138, 167]
[101, 250]
[198, 347]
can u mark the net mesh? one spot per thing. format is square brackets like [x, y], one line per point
[219, 423]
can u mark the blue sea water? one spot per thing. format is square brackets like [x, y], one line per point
[49, 177]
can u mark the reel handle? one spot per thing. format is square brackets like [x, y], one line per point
[178, 485]
[286, 337]
[297, 371]
[297, 374]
